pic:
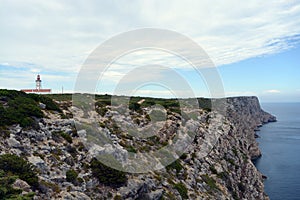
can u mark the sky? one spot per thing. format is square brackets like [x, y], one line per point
[255, 45]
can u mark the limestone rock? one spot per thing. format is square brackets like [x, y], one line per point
[23, 185]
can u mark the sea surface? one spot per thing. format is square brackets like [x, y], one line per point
[280, 146]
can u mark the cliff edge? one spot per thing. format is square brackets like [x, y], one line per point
[66, 169]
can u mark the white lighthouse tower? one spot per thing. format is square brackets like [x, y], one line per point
[38, 82]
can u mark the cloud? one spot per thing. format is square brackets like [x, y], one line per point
[272, 91]
[240, 93]
[57, 36]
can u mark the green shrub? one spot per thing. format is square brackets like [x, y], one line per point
[222, 175]
[4, 132]
[71, 176]
[180, 187]
[16, 165]
[131, 149]
[50, 104]
[72, 150]
[134, 106]
[213, 169]
[183, 156]
[48, 185]
[101, 111]
[66, 136]
[22, 107]
[210, 182]
[8, 192]
[175, 165]
[118, 197]
[106, 175]
[205, 104]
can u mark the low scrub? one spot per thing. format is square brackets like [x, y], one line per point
[20, 108]
[16, 165]
[106, 175]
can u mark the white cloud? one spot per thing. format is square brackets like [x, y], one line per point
[57, 36]
[240, 93]
[272, 91]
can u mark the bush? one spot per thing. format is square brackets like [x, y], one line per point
[67, 137]
[213, 169]
[57, 134]
[180, 187]
[131, 149]
[210, 182]
[71, 176]
[134, 106]
[22, 107]
[205, 104]
[175, 165]
[106, 175]
[8, 192]
[16, 165]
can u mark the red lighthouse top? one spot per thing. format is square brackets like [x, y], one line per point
[38, 78]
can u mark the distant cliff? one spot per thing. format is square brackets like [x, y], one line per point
[247, 115]
[66, 169]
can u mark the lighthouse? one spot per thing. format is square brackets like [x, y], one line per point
[38, 82]
[38, 87]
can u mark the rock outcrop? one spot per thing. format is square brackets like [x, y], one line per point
[224, 172]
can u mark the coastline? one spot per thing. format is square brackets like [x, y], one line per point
[226, 172]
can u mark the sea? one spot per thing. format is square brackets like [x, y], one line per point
[280, 146]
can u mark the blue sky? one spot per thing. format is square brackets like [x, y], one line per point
[254, 45]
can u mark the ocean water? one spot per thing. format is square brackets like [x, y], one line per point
[280, 146]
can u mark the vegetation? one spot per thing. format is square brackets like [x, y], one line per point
[7, 191]
[205, 103]
[180, 187]
[44, 186]
[50, 104]
[20, 108]
[106, 175]
[183, 156]
[66, 136]
[60, 97]
[16, 165]
[210, 182]
[175, 165]
[57, 134]
[131, 149]
[213, 169]
[71, 176]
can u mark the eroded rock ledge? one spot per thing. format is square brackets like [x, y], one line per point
[225, 173]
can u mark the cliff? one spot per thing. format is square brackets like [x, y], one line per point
[67, 169]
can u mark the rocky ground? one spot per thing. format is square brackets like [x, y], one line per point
[216, 165]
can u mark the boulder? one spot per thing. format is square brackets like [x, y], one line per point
[22, 185]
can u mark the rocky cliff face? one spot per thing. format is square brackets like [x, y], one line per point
[225, 172]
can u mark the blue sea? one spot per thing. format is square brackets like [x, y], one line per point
[280, 146]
